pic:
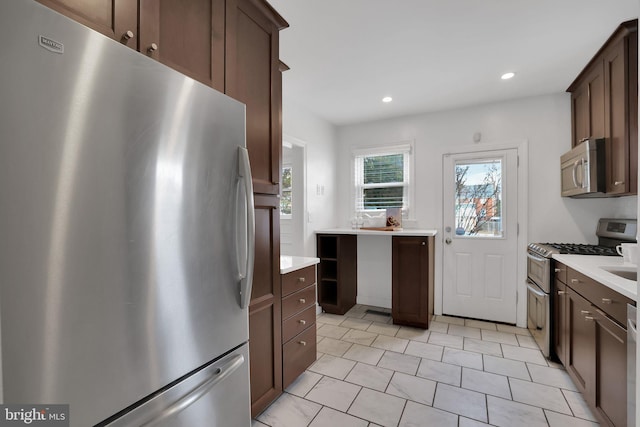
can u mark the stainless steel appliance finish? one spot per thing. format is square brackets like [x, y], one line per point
[610, 232]
[632, 337]
[583, 170]
[124, 265]
[538, 300]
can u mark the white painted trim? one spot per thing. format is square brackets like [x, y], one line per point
[303, 145]
[522, 147]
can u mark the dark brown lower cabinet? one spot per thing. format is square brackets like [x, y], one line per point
[581, 361]
[265, 314]
[594, 346]
[412, 280]
[337, 272]
[560, 330]
[298, 323]
[611, 371]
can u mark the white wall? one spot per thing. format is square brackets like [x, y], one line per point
[543, 121]
[319, 137]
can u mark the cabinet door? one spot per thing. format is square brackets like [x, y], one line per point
[617, 118]
[560, 331]
[580, 355]
[611, 370]
[595, 84]
[113, 18]
[252, 74]
[265, 318]
[580, 114]
[186, 35]
[412, 290]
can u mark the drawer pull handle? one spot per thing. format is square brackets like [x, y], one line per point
[302, 300]
[588, 318]
[301, 279]
[618, 183]
[302, 322]
[152, 48]
[585, 312]
[607, 300]
[127, 35]
[575, 281]
[303, 343]
[558, 270]
[562, 292]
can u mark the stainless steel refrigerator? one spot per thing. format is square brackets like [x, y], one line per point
[126, 232]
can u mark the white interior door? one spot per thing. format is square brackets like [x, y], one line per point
[480, 232]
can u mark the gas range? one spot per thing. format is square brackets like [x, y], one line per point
[548, 249]
[610, 232]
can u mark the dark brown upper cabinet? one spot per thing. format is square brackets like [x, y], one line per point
[186, 35]
[117, 19]
[252, 71]
[604, 104]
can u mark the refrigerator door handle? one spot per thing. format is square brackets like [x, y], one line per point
[219, 374]
[246, 275]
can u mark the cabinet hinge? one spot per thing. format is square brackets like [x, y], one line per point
[517, 161]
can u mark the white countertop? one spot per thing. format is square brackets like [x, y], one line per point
[292, 263]
[361, 232]
[591, 265]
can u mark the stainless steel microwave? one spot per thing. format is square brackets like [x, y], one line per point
[582, 170]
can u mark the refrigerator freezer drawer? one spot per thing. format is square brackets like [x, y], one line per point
[215, 396]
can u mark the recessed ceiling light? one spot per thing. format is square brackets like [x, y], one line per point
[387, 99]
[507, 76]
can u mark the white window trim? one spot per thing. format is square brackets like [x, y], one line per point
[403, 147]
[287, 216]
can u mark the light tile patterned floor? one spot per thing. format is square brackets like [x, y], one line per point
[459, 373]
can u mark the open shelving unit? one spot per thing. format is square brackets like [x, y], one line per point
[337, 272]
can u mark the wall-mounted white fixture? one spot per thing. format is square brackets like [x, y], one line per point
[507, 76]
[387, 99]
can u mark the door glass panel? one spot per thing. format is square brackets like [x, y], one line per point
[478, 198]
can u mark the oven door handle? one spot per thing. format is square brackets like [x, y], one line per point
[533, 288]
[537, 258]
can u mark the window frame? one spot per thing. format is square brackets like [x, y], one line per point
[283, 189]
[357, 172]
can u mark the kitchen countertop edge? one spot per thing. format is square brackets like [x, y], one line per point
[361, 232]
[290, 263]
[591, 266]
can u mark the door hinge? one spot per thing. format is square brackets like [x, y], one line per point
[518, 229]
[517, 161]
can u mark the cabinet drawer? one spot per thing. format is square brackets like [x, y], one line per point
[296, 280]
[606, 299]
[560, 272]
[298, 323]
[298, 301]
[297, 355]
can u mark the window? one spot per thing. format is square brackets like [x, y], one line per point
[478, 198]
[382, 177]
[286, 194]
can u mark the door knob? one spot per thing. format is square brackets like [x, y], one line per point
[447, 240]
[152, 48]
[128, 35]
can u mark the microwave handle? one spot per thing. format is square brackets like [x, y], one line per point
[578, 163]
[573, 173]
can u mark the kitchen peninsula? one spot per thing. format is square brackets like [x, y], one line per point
[350, 271]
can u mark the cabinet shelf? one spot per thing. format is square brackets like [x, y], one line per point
[337, 272]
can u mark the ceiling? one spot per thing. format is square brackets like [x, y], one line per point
[433, 55]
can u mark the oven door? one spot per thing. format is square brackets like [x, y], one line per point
[539, 271]
[538, 316]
